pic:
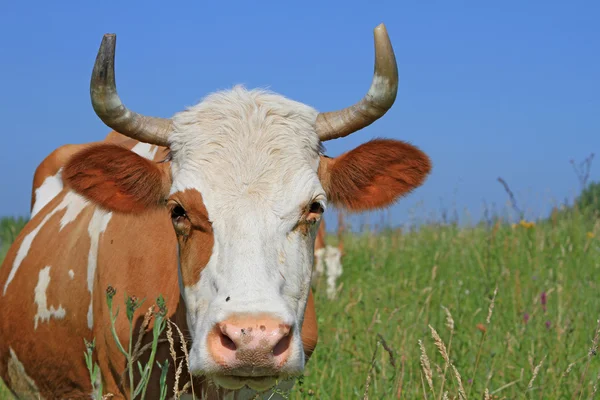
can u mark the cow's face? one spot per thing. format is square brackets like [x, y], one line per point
[246, 188]
[246, 201]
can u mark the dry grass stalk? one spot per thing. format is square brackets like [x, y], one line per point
[509, 384]
[186, 359]
[536, 370]
[592, 352]
[426, 367]
[401, 383]
[445, 396]
[368, 382]
[443, 350]
[461, 389]
[423, 385]
[486, 395]
[176, 394]
[143, 329]
[373, 320]
[569, 368]
[449, 319]
[440, 345]
[380, 341]
[491, 309]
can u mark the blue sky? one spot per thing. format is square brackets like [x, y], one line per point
[507, 89]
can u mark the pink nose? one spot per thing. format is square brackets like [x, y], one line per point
[253, 343]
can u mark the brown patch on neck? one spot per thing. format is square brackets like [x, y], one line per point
[195, 248]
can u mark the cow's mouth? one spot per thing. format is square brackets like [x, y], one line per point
[234, 382]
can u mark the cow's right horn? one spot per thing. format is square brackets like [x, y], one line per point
[112, 111]
[379, 99]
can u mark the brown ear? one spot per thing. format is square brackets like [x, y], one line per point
[117, 178]
[373, 175]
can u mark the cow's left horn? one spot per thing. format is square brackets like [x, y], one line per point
[112, 111]
[379, 99]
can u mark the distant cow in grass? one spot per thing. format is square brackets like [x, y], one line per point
[328, 259]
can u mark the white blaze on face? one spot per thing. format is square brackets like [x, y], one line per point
[48, 190]
[254, 157]
[44, 313]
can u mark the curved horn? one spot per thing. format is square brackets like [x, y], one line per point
[379, 99]
[112, 111]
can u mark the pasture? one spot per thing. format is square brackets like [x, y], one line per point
[536, 338]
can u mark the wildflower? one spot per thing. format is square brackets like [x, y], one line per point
[132, 303]
[543, 300]
[481, 327]
[527, 224]
[525, 317]
[590, 235]
[90, 345]
[110, 293]
[548, 324]
[162, 306]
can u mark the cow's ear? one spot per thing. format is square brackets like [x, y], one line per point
[373, 175]
[117, 178]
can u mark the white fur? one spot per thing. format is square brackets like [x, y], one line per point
[97, 226]
[43, 312]
[74, 208]
[71, 274]
[25, 246]
[253, 156]
[145, 150]
[48, 190]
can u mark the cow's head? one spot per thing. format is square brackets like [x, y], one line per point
[246, 188]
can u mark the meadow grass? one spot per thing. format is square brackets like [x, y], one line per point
[491, 311]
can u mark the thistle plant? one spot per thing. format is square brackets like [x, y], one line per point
[132, 353]
[93, 369]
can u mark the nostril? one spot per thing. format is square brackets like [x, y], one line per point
[227, 342]
[284, 344]
[225, 339]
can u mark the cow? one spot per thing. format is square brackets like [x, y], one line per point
[217, 209]
[328, 259]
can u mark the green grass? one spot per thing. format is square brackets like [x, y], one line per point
[9, 228]
[395, 284]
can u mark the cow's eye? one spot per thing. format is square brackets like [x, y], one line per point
[178, 213]
[315, 211]
[316, 208]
